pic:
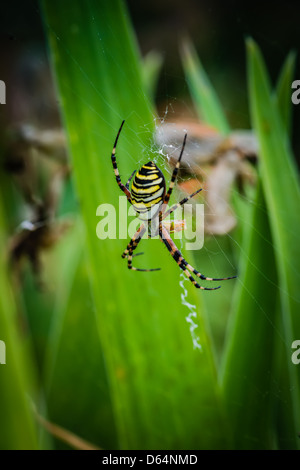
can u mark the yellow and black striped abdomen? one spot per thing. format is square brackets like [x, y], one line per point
[148, 188]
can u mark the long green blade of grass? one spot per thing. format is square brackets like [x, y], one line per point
[151, 68]
[164, 392]
[283, 411]
[283, 91]
[249, 346]
[255, 326]
[282, 193]
[88, 413]
[245, 379]
[206, 100]
[209, 108]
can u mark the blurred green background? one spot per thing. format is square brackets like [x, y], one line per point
[99, 357]
[218, 32]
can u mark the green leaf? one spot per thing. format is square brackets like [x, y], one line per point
[209, 109]
[151, 67]
[205, 98]
[282, 193]
[73, 362]
[252, 368]
[17, 387]
[246, 373]
[283, 90]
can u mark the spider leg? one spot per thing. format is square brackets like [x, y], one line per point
[181, 203]
[163, 215]
[135, 254]
[115, 167]
[194, 271]
[130, 178]
[177, 256]
[128, 253]
[134, 241]
[174, 175]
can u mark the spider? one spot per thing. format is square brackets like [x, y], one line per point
[149, 198]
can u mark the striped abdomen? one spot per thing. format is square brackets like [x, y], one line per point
[148, 188]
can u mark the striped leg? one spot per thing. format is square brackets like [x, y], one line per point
[128, 253]
[115, 167]
[176, 254]
[181, 203]
[174, 175]
[163, 214]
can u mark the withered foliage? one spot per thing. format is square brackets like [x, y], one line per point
[219, 162]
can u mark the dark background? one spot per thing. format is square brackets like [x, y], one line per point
[217, 29]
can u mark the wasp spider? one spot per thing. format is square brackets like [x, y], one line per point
[149, 198]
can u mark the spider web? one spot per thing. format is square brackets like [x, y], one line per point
[161, 156]
[214, 251]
